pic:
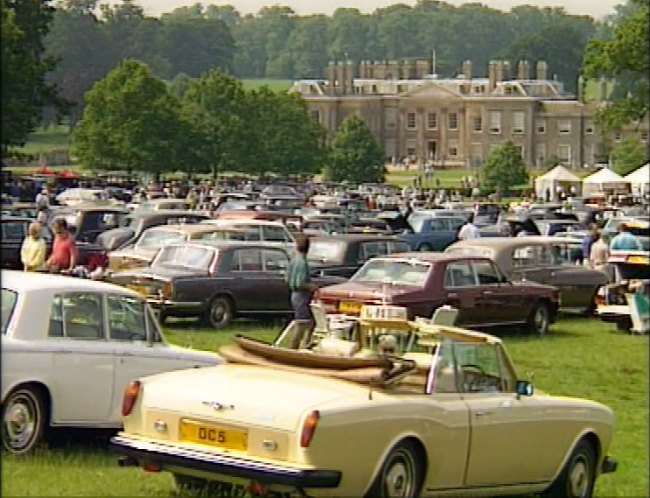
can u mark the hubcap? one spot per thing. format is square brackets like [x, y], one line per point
[579, 479]
[540, 320]
[218, 312]
[399, 478]
[20, 422]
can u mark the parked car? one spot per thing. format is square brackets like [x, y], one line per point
[272, 233]
[465, 424]
[432, 233]
[215, 280]
[14, 231]
[87, 221]
[69, 363]
[547, 260]
[136, 223]
[422, 282]
[162, 204]
[343, 255]
[637, 226]
[143, 250]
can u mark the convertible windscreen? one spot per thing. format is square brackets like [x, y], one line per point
[396, 272]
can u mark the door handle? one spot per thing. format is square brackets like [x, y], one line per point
[552, 274]
[488, 292]
[452, 295]
[482, 413]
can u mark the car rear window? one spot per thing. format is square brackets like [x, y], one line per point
[397, 272]
[9, 299]
[325, 251]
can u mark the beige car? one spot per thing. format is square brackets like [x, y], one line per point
[144, 249]
[455, 419]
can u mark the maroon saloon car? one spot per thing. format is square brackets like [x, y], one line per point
[424, 281]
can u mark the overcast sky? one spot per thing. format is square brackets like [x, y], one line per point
[595, 8]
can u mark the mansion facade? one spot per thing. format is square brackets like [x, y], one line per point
[458, 121]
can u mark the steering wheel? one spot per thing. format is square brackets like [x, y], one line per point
[473, 366]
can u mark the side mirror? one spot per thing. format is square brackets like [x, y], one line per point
[524, 388]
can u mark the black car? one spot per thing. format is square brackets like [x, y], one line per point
[87, 222]
[216, 281]
[136, 223]
[14, 231]
[342, 255]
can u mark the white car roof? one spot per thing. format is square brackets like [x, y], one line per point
[21, 281]
[245, 222]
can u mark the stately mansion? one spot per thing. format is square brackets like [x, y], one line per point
[457, 121]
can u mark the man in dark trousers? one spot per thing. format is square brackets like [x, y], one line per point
[302, 290]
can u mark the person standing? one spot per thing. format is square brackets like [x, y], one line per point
[469, 230]
[599, 253]
[625, 240]
[302, 290]
[42, 200]
[32, 251]
[64, 250]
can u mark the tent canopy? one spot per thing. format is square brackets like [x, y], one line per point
[640, 179]
[605, 179]
[603, 176]
[546, 185]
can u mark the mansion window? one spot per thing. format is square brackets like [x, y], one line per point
[410, 121]
[540, 155]
[520, 150]
[617, 136]
[452, 148]
[644, 136]
[589, 127]
[540, 126]
[432, 121]
[410, 148]
[495, 122]
[315, 116]
[518, 122]
[452, 121]
[478, 123]
[564, 154]
[564, 126]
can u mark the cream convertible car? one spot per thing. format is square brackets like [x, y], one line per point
[454, 420]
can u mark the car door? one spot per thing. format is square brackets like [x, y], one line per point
[461, 291]
[499, 301]
[246, 280]
[82, 358]
[508, 435]
[577, 284]
[275, 293]
[529, 263]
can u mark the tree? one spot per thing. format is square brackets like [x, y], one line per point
[131, 122]
[356, 155]
[24, 90]
[627, 155]
[623, 56]
[504, 168]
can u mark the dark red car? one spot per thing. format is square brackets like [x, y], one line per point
[424, 281]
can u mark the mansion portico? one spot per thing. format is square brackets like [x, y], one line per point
[457, 121]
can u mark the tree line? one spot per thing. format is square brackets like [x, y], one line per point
[88, 39]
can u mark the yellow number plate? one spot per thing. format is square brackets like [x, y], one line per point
[637, 260]
[197, 432]
[350, 308]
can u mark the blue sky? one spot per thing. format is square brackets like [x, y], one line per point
[595, 8]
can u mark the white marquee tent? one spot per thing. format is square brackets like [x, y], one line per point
[639, 179]
[604, 180]
[551, 180]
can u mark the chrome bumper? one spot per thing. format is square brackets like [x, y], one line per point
[168, 305]
[169, 455]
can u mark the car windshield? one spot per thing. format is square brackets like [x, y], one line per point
[473, 251]
[325, 251]
[153, 239]
[394, 271]
[9, 298]
[194, 257]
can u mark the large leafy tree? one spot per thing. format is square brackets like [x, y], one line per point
[24, 89]
[624, 57]
[627, 155]
[356, 155]
[131, 122]
[504, 168]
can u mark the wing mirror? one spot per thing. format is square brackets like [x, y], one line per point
[524, 388]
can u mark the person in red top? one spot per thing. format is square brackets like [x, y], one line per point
[64, 250]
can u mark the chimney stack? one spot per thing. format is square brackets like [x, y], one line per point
[499, 71]
[541, 70]
[523, 70]
[467, 69]
[492, 79]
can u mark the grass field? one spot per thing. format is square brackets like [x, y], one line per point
[579, 357]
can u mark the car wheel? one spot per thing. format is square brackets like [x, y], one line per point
[539, 319]
[23, 420]
[401, 473]
[576, 480]
[220, 312]
[425, 247]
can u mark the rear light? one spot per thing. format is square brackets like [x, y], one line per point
[151, 467]
[308, 428]
[330, 306]
[131, 394]
[257, 489]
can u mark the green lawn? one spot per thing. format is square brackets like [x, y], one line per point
[579, 357]
[275, 85]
